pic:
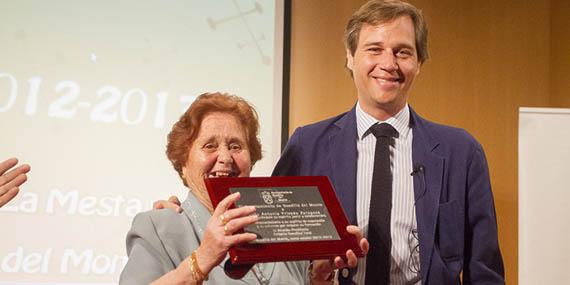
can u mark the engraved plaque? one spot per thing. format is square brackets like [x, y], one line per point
[288, 214]
[311, 222]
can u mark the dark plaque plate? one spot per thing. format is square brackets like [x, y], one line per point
[300, 218]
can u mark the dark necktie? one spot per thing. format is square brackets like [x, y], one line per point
[378, 258]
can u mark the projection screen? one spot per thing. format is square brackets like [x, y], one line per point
[88, 93]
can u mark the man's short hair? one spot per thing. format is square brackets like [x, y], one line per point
[376, 12]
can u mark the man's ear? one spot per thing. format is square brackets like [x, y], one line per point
[349, 60]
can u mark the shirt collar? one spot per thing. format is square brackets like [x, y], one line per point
[400, 121]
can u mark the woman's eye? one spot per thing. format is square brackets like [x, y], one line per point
[235, 146]
[209, 146]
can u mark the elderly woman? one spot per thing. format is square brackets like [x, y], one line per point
[216, 137]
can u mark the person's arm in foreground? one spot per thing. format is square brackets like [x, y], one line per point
[10, 181]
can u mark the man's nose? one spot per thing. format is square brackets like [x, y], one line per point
[387, 61]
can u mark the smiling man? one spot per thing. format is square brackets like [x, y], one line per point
[420, 191]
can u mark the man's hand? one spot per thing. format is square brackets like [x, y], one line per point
[10, 181]
[172, 203]
[323, 269]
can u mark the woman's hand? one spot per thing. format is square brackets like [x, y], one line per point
[219, 234]
[218, 238]
[10, 181]
[322, 269]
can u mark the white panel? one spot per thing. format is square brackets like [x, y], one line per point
[544, 195]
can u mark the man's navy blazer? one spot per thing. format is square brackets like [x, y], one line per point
[454, 204]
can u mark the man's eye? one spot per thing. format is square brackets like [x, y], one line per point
[404, 53]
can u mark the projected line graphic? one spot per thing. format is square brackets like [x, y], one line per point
[241, 15]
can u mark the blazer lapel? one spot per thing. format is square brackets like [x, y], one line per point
[428, 168]
[343, 163]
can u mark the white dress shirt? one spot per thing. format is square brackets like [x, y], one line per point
[404, 262]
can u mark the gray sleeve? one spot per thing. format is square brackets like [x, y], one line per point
[292, 272]
[148, 260]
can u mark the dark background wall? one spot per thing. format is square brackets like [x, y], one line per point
[488, 58]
